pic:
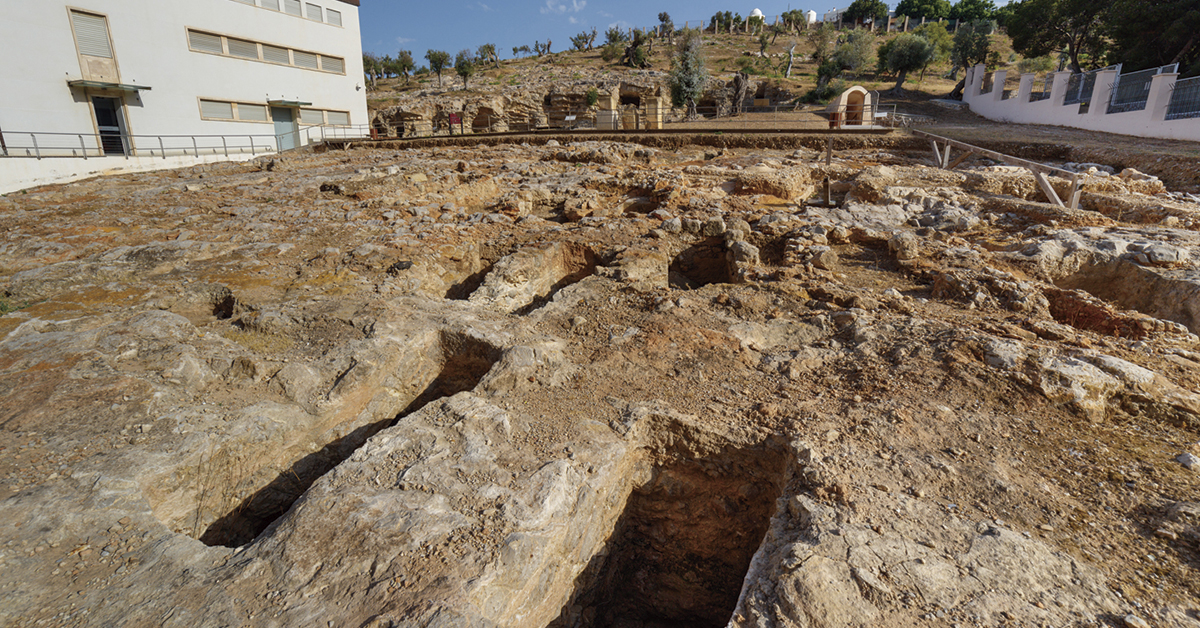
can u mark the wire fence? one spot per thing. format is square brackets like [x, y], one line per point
[753, 118]
[1130, 92]
[989, 80]
[1081, 86]
[1041, 94]
[1185, 99]
[44, 145]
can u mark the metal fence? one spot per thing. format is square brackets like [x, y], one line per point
[1080, 86]
[1130, 92]
[42, 145]
[1185, 99]
[989, 80]
[1044, 93]
[753, 118]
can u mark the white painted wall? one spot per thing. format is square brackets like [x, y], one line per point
[149, 40]
[34, 172]
[1150, 122]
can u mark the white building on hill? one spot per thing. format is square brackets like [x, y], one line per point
[140, 84]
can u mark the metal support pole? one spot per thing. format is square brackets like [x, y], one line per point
[225, 145]
[36, 150]
[83, 147]
[195, 147]
[161, 148]
[251, 144]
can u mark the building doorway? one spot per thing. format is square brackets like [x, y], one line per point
[287, 134]
[111, 125]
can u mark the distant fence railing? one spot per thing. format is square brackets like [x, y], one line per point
[1044, 93]
[1130, 92]
[47, 145]
[1185, 99]
[1080, 86]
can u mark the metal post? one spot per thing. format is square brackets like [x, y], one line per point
[83, 147]
[36, 150]
[162, 148]
[251, 143]
[195, 147]
[225, 145]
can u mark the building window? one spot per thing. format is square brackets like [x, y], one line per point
[270, 4]
[333, 64]
[333, 17]
[312, 116]
[314, 11]
[216, 110]
[242, 48]
[338, 118]
[249, 2]
[91, 34]
[252, 113]
[292, 7]
[246, 49]
[275, 54]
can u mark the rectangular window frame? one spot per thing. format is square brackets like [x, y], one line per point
[236, 113]
[291, 52]
[112, 49]
[281, 6]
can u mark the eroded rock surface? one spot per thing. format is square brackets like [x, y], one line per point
[598, 384]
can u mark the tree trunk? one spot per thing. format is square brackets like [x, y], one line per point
[899, 88]
[691, 109]
[956, 93]
[791, 54]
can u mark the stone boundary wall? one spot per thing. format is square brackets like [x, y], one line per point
[1149, 122]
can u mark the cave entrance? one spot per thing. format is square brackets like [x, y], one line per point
[485, 120]
[680, 552]
[700, 265]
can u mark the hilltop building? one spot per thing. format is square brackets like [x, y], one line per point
[119, 84]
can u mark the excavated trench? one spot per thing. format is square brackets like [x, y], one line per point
[1132, 287]
[464, 362]
[680, 551]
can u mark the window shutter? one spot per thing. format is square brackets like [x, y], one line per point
[333, 64]
[333, 17]
[311, 116]
[314, 12]
[291, 6]
[305, 59]
[243, 48]
[270, 4]
[249, 2]
[276, 55]
[91, 35]
[205, 42]
[339, 118]
[253, 113]
[216, 109]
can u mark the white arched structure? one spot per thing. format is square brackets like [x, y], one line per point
[853, 107]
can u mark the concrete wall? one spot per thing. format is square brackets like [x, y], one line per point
[21, 174]
[1149, 122]
[150, 46]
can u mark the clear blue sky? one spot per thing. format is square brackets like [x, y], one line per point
[392, 25]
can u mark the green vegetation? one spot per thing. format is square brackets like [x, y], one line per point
[438, 60]
[907, 53]
[688, 74]
[928, 9]
[464, 65]
[973, 10]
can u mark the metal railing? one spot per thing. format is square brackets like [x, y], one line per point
[1185, 99]
[1044, 93]
[1080, 86]
[764, 118]
[43, 145]
[988, 83]
[1130, 92]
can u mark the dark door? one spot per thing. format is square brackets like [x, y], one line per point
[112, 129]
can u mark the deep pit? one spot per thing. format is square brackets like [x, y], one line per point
[700, 265]
[1132, 287]
[464, 362]
[683, 544]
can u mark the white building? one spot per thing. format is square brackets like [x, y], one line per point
[143, 84]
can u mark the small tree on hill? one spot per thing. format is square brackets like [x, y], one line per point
[487, 54]
[372, 66]
[874, 11]
[688, 75]
[943, 43]
[971, 46]
[615, 35]
[928, 9]
[666, 28]
[438, 60]
[857, 54]
[464, 65]
[764, 40]
[972, 10]
[823, 39]
[907, 53]
[583, 41]
[403, 64]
